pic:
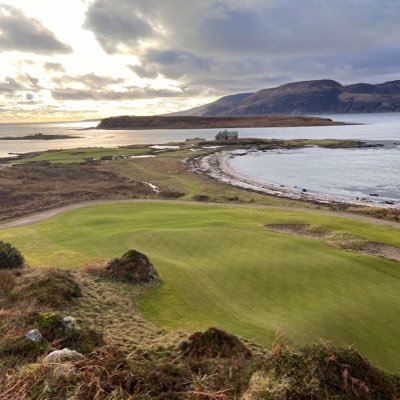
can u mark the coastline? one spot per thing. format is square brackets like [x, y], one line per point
[217, 166]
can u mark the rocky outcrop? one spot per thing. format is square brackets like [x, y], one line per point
[307, 97]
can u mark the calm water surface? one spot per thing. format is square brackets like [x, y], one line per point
[339, 173]
[347, 174]
[376, 126]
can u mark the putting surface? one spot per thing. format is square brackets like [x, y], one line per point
[221, 267]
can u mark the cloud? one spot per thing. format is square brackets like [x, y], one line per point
[53, 66]
[21, 33]
[9, 86]
[145, 71]
[117, 24]
[131, 93]
[91, 81]
[218, 41]
[12, 86]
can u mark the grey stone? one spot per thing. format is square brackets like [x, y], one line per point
[34, 336]
[69, 323]
[63, 355]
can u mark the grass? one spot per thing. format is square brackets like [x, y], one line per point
[221, 267]
[82, 154]
[171, 175]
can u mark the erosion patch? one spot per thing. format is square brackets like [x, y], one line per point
[339, 240]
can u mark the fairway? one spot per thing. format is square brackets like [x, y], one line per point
[79, 155]
[221, 267]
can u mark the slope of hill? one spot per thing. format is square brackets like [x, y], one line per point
[307, 97]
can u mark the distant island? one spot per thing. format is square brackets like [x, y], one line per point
[39, 136]
[188, 122]
[305, 98]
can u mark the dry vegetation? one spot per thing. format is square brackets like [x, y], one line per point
[127, 358]
[28, 188]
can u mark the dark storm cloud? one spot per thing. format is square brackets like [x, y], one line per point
[218, 41]
[22, 33]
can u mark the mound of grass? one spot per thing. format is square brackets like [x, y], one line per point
[221, 267]
[320, 371]
[81, 338]
[52, 288]
[214, 343]
[133, 267]
[20, 350]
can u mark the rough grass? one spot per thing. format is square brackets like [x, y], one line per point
[319, 372]
[220, 267]
[171, 175]
[28, 188]
[81, 154]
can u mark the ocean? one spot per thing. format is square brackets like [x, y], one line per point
[339, 173]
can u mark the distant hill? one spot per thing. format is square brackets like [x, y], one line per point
[306, 97]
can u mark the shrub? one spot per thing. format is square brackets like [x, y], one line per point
[7, 283]
[10, 257]
[169, 194]
[201, 197]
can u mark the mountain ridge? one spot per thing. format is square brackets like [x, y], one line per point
[323, 96]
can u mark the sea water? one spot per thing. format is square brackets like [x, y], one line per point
[371, 175]
[342, 173]
[374, 126]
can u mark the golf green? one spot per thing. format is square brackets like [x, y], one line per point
[221, 267]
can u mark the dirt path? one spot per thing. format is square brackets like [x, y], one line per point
[43, 215]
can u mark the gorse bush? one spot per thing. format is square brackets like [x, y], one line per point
[10, 257]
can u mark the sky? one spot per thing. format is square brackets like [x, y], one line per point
[79, 59]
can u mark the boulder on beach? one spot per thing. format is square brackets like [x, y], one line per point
[133, 267]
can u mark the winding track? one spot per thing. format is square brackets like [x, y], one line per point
[43, 215]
